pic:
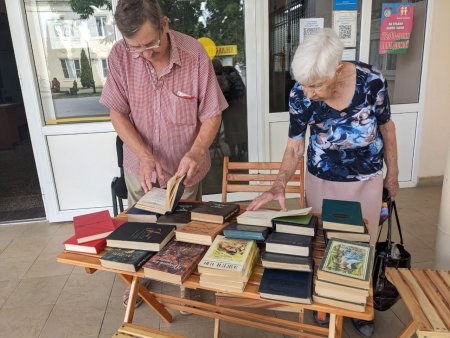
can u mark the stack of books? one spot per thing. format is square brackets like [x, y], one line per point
[343, 278]
[344, 220]
[287, 260]
[228, 264]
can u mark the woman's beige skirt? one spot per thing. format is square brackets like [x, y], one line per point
[368, 193]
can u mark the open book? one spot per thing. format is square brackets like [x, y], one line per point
[163, 200]
[263, 217]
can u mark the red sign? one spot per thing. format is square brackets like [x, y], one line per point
[396, 27]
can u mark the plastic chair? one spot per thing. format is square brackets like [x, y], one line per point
[119, 190]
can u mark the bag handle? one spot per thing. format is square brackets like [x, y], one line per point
[392, 207]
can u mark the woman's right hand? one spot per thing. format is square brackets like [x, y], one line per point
[277, 192]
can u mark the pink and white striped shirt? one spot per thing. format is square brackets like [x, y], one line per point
[167, 112]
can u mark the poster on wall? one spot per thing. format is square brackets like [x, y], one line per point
[396, 27]
[339, 5]
[344, 24]
[309, 26]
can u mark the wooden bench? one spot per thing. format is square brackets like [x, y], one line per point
[128, 330]
[426, 294]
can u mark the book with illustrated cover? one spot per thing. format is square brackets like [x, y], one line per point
[284, 285]
[160, 200]
[243, 231]
[357, 307]
[263, 217]
[289, 244]
[92, 247]
[125, 259]
[342, 215]
[181, 215]
[138, 215]
[299, 225]
[214, 212]
[175, 262]
[141, 236]
[93, 226]
[199, 232]
[273, 260]
[347, 263]
[229, 255]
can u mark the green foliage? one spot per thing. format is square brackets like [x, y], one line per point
[84, 9]
[86, 71]
[183, 15]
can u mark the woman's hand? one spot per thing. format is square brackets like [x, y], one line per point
[277, 192]
[391, 184]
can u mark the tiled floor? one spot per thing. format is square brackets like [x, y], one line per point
[42, 298]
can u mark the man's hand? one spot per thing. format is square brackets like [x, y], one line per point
[391, 184]
[277, 192]
[189, 165]
[147, 166]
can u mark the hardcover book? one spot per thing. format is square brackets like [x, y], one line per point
[284, 285]
[357, 307]
[214, 212]
[93, 247]
[141, 236]
[340, 292]
[181, 215]
[347, 263]
[163, 200]
[199, 232]
[229, 255]
[273, 260]
[93, 226]
[175, 262]
[299, 225]
[242, 231]
[348, 236]
[138, 215]
[342, 215]
[125, 259]
[289, 244]
[263, 217]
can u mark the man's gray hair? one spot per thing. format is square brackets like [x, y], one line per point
[317, 56]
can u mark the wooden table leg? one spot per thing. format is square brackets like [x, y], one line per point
[332, 326]
[129, 312]
[409, 330]
[339, 326]
[216, 327]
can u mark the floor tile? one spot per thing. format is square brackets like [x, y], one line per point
[48, 266]
[24, 322]
[25, 246]
[6, 289]
[14, 267]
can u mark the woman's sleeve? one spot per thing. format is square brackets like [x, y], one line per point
[298, 120]
[382, 103]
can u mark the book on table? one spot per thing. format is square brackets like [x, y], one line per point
[199, 232]
[284, 285]
[214, 212]
[271, 260]
[342, 215]
[263, 217]
[161, 200]
[93, 226]
[141, 236]
[289, 244]
[181, 215]
[175, 262]
[299, 225]
[357, 307]
[92, 247]
[243, 231]
[340, 292]
[138, 215]
[347, 263]
[348, 236]
[125, 259]
[228, 257]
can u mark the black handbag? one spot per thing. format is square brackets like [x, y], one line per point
[388, 254]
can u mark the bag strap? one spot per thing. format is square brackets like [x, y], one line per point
[392, 207]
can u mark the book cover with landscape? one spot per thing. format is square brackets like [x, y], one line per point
[342, 215]
[141, 236]
[125, 259]
[93, 226]
[215, 212]
[175, 262]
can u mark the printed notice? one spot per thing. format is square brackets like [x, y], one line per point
[309, 26]
[344, 24]
[396, 27]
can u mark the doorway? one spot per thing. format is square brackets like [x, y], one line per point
[20, 193]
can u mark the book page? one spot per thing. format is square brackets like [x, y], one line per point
[156, 196]
[269, 214]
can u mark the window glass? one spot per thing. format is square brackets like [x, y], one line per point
[402, 71]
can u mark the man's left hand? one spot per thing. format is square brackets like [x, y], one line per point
[391, 184]
[189, 166]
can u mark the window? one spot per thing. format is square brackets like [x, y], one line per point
[105, 67]
[71, 68]
[100, 22]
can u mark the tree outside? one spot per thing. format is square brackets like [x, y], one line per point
[87, 81]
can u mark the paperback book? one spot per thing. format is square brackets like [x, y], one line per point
[263, 217]
[214, 212]
[160, 200]
[199, 232]
[289, 244]
[125, 259]
[175, 262]
[93, 226]
[92, 247]
[141, 236]
[342, 215]
[242, 231]
[299, 225]
[271, 260]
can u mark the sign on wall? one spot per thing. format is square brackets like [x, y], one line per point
[396, 27]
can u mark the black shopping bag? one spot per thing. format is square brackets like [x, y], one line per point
[388, 254]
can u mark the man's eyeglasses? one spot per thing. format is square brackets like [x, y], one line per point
[142, 49]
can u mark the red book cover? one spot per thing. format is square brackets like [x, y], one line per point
[93, 247]
[93, 226]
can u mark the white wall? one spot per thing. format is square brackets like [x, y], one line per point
[435, 136]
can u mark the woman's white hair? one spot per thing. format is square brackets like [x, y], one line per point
[317, 56]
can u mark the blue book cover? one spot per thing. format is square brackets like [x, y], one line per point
[242, 231]
[286, 285]
[286, 262]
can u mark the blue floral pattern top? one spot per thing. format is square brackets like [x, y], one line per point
[345, 145]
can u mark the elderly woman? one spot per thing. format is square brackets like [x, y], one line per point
[346, 106]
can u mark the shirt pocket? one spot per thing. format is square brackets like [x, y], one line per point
[184, 110]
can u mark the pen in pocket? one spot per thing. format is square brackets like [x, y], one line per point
[184, 95]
